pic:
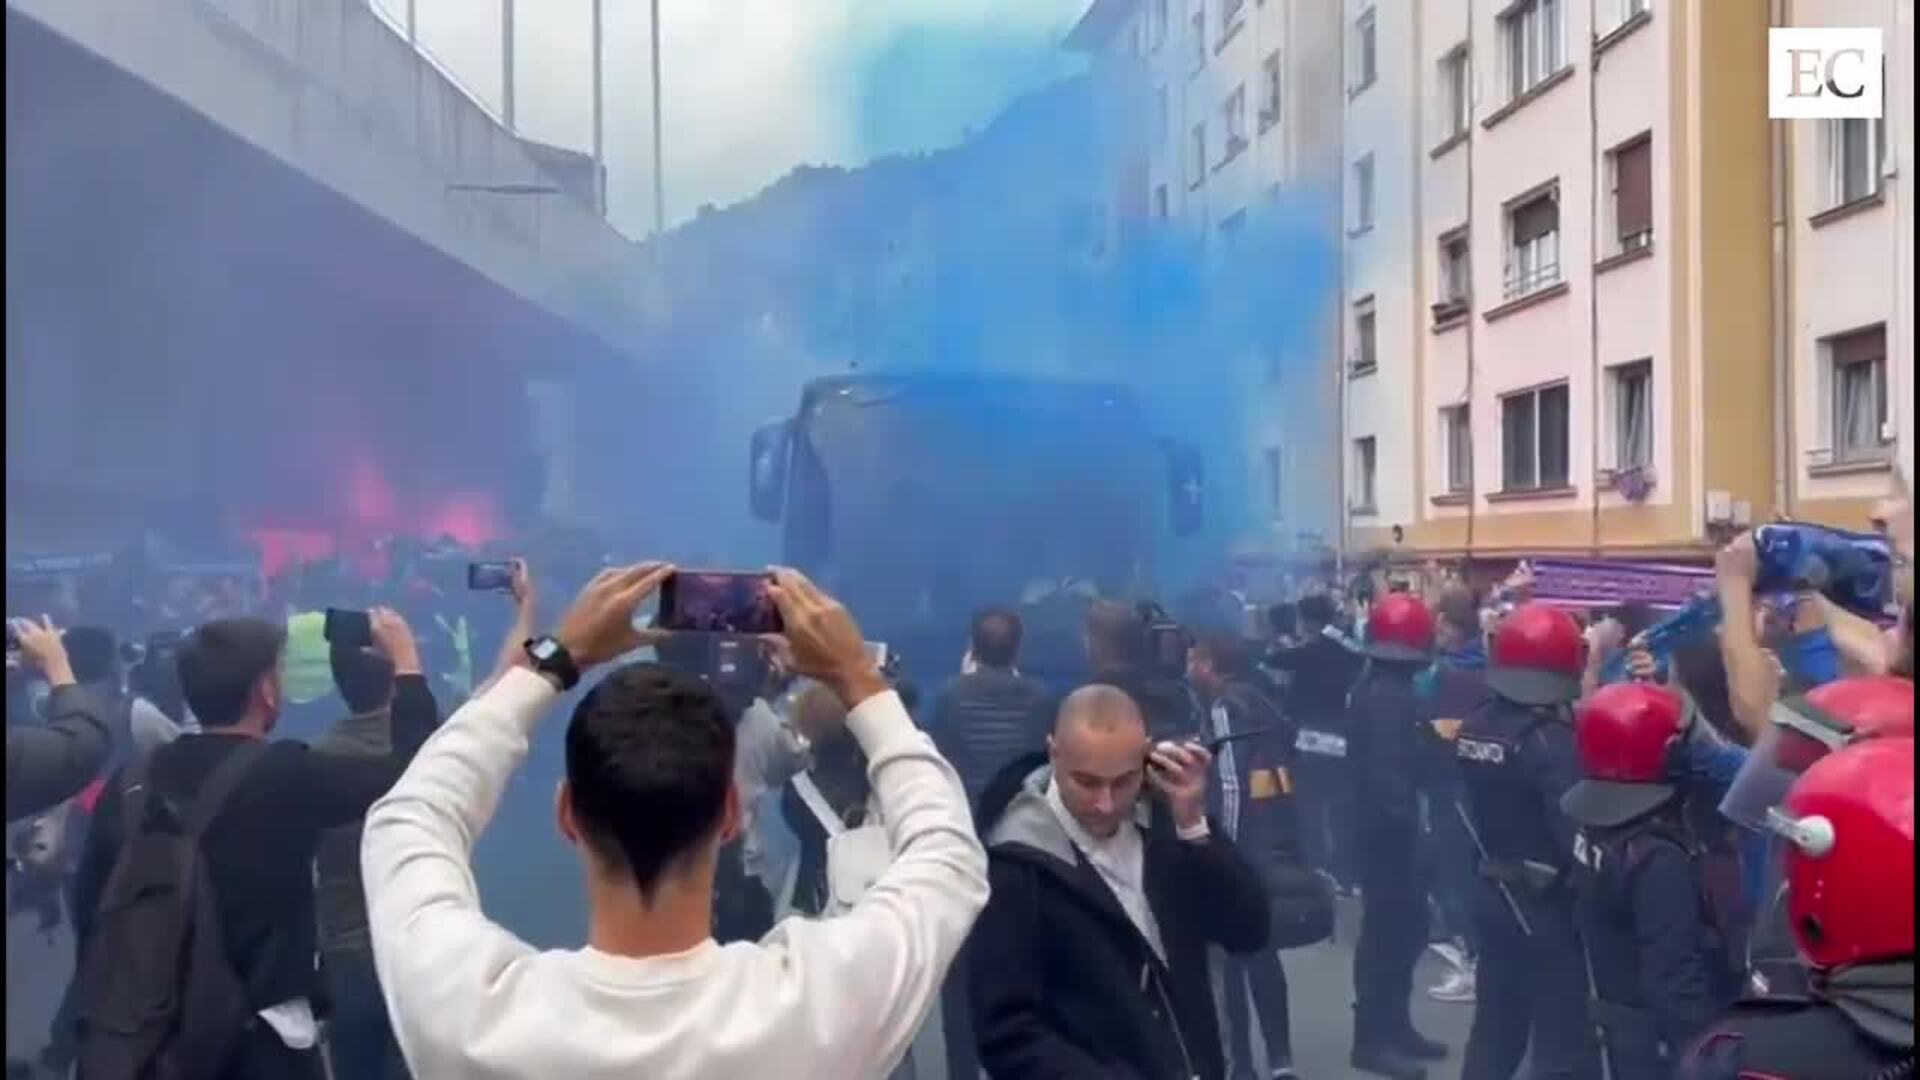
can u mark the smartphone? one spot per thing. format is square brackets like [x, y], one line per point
[718, 602]
[348, 627]
[490, 576]
[1212, 745]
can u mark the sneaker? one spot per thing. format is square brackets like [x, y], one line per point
[1284, 1072]
[1457, 988]
[1453, 954]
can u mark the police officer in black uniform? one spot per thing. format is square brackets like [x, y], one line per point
[1848, 827]
[1516, 760]
[1656, 947]
[1387, 742]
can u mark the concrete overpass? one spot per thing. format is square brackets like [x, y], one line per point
[239, 204]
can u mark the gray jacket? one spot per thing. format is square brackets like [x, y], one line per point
[47, 764]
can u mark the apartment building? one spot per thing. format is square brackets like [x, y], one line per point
[1560, 278]
[1593, 301]
[1846, 320]
[1217, 107]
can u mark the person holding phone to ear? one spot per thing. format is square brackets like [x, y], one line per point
[1091, 956]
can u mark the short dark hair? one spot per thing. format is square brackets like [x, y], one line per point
[1282, 619]
[220, 663]
[1228, 654]
[92, 653]
[649, 764]
[996, 637]
[1634, 616]
[1459, 608]
[363, 677]
[1316, 609]
[1117, 632]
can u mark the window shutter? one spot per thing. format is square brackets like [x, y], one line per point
[1535, 219]
[1633, 172]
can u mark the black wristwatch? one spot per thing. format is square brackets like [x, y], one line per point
[552, 658]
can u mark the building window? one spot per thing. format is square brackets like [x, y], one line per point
[1533, 439]
[1162, 116]
[1270, 91]
[1230, 12]
[1455, 92]
[1631, 167]
[1856, 158]
[1616, 12]
[1857, 365]
[1232, 225]
[1455, 270]
[1366, 322]
[1199, 151]
[1157, 23]
[1160, 208]
[1535, 44]
[1276, 479]
[1456, 427]
[1363, 194]
[1533, 243]
[1199, 24]
[1366, 462]
[1365, 50]
[1632, 391]
[1233, 116]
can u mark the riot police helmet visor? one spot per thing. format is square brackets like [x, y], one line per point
[1607, 804]
[1531, 686]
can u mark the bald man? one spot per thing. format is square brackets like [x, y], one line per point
[1090, 959]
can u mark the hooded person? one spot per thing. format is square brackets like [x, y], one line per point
[1091, 956]
[1517, 759]
[1847, 824]
[1656, 943]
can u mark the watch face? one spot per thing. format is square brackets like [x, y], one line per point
[545, 649]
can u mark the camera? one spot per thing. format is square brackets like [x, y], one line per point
[1165, 643]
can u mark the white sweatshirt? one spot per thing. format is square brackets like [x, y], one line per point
[837, 999]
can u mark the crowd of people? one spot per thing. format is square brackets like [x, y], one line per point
[797, 864]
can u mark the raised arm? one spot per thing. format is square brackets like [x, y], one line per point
[48, 764]
[885, 960]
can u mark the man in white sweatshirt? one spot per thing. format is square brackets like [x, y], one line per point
[648, 799]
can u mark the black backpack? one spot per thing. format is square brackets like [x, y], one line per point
[159, 999]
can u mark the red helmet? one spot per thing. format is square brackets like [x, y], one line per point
[1806, 729]
[1400, 628]
[1537, 656]
[1871, 705]
[1631, 740]
[1848, 823]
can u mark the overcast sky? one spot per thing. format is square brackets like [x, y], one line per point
[752, 88]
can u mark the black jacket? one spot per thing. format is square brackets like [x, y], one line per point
[46, 765]
[260, 847]
[983, 720]
[1253, 790]
[1321, 672]
[1062, 984]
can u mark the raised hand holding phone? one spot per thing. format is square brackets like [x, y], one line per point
[821, 640]
[1179, 772]
[599, 624]
[394, 639]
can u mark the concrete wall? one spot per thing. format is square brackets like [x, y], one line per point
[329, 88]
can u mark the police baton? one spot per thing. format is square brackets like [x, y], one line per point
[1506, 893]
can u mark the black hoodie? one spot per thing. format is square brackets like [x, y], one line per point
[1062, 983]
